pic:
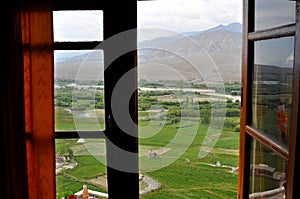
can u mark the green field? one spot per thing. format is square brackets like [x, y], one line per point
[198, 179]
[177, 139]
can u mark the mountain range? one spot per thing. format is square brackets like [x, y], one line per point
[199, 56]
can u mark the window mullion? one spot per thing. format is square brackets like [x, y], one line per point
[119, 178]
[84, 45]
[80, 134]
[77, 5]
[282, 31]
[283, 152]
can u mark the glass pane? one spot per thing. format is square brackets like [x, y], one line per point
[188, 100]
[79, 90]
[78, 25]
[80, 164]
[267, 13]
[267, 173]
[272, 87]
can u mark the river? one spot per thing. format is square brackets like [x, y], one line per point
[209, 92]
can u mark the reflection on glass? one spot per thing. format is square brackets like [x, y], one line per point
[78, 25]
[267, 173]
[80, 163]
[271, 13]
[79, 90]
[272, 87]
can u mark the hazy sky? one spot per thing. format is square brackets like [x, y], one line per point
[188, 15]
[174, 15]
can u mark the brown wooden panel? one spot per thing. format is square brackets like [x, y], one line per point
[39, 100]
[244, 149]
[27, 91]
[294, 159]
[247, 130]
[12, 124]
[26, 60]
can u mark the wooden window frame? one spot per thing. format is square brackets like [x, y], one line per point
[38, 46]
[116, 180]
[38, 50]
[247, 130]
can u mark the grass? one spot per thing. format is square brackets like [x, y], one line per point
[88, 167]
[66, 186]
[64, 120]
[71, 181]
[194, 181]
[198, 179]
[228, 140]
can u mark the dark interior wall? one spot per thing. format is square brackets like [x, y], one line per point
[12, 127]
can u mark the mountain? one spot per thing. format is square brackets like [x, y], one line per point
[207, 56]
[220, 41]
[201, 56]
[78, 56]
[160, 41]
[233, 27]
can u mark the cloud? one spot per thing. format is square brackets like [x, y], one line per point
[174, 15]
[78, 25]
[192, 15]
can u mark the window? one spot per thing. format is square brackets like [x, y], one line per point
[266, 157]
[39, 53]
[182, 69]
[76, 90]
[270, 87]
[91, 83]
[185, 128]
[79, 104]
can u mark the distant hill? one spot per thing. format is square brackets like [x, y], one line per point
[201, 57]
[233, 27]
[220, 41]
[210, 55]
[71, 56]
[167, 40]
